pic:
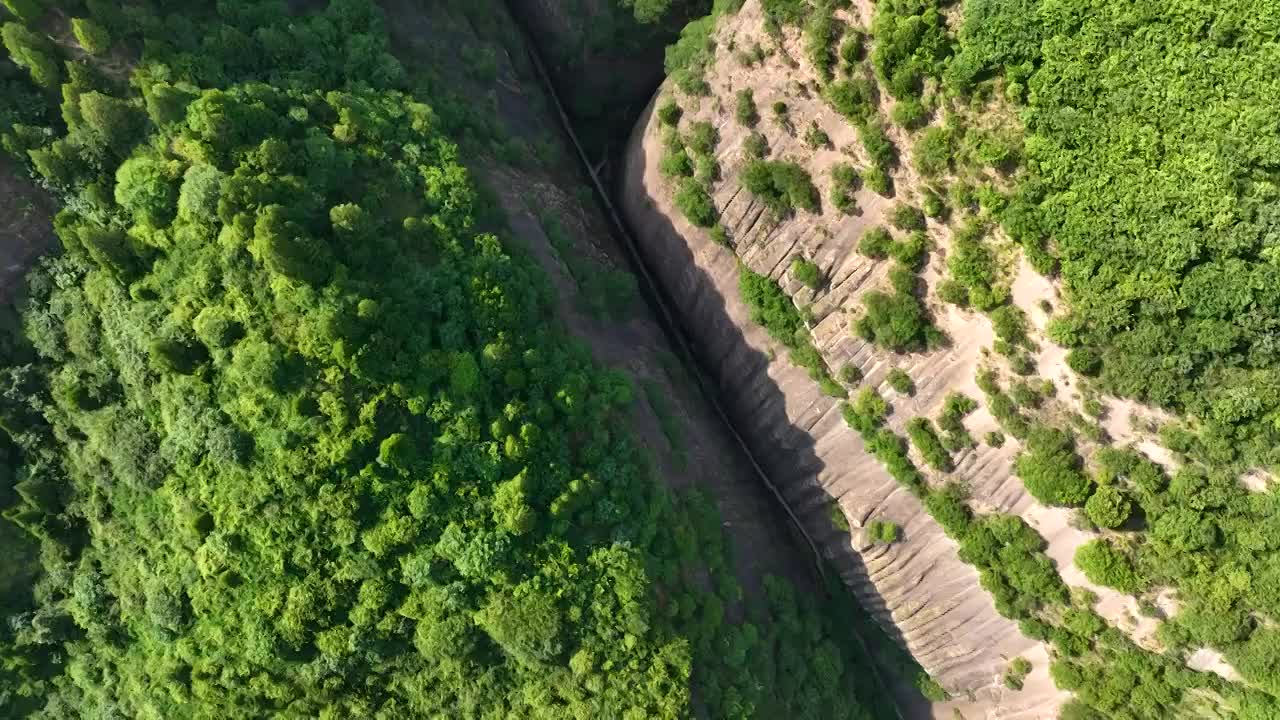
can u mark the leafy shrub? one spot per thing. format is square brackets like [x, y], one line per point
[820, 34]
[876, 243]
[695, 204]
[932, 204]
[807, 272]
[1025, 395]
[745, 108]
[947, 507]
[675, 163]
[777, 314]
[687, 59]
[28, 11]
[883, 531]
[933, 152]
[1010, 324]
[706, 170]
[900, 381]
[994, 439]
[1085, 361]
[669, 113]
[910, 252]
[853, 98]
[844, 182]
[869, 404]
[853, 47]
[909, 113]
[1108, 507]
[850, 373]
[1016, 675]
[755, 146]
[951, 421]
[911, 42]
[973, 267]
[815, 137]
[1050, 468]
[878, 180]
[903, 279]
[34, 53]
[93, 38]
[838, 518]
[703, 138]
[920, 430]
[781, 186]
[897, 322]
[906, 217]
[1104, 565]
[877, 144]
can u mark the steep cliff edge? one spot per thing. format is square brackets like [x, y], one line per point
[918, 587]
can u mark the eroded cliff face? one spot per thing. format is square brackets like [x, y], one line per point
[918, 587]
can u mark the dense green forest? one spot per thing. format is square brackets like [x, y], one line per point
[1151, 168]
[263, 476]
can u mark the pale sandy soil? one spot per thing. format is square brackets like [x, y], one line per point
[1210, 660]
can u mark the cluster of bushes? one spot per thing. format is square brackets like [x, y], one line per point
[1002, 406]
[1050, 468]
[807, 272]
[821, 34]
[782, 186]
[853, 97]
[955, 407]
[910, 43]
[897, 321]
[1014, 677]
[815, 137]
[866, 415]
[973, 272]
[922, 435]
[844, 183]
[777, 314]
[900, 381]
[1015, 570]
[878, 243]
[1008, 553]
[883, 531]
[690, 161]
[1117, 219]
